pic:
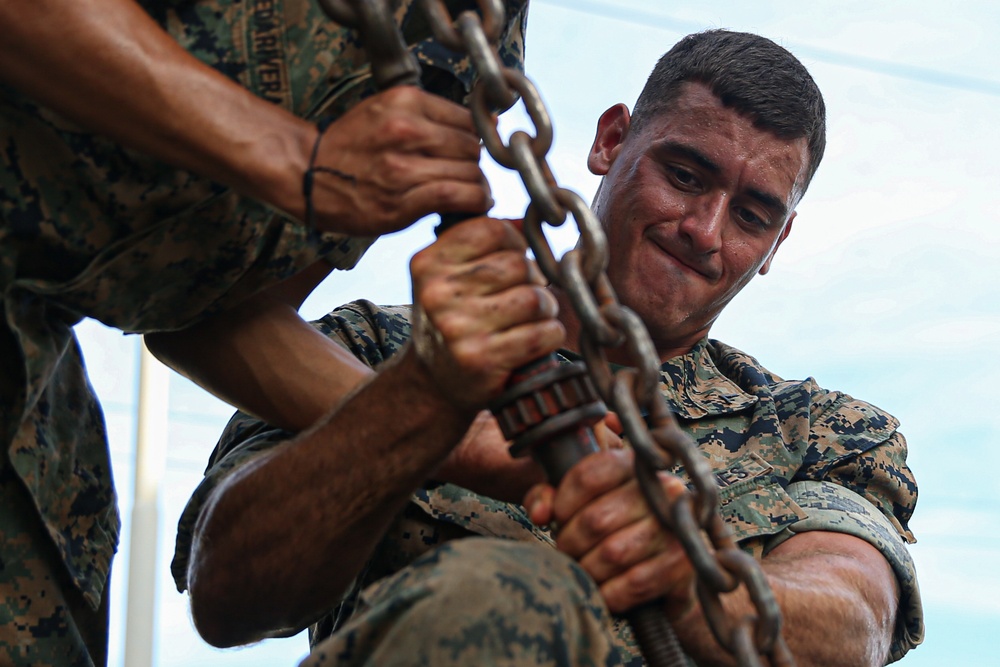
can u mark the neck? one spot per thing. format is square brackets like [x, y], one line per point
[665, 350]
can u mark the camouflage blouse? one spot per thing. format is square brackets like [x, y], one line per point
[91, 229]
[788, 457]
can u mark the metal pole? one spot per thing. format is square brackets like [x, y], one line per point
[150, 461]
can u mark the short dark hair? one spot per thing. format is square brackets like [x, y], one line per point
[749, 74]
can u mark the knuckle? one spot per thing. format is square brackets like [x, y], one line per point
[461, 196]
[590, 474]
[502, 263]
[595, 523]
[482, 234]
[469, 353]
[452, 327]
[402, 95]
[434, 295]
[553, 334]
[639, 583]
[515, 264]
[529, 300]
[615, 552]
[421, 261]
[393, 166]
[399, 127]
[548, 306]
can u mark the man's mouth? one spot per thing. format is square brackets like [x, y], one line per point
[678, 258]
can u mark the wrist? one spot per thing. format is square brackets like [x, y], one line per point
[272, 165]
[428, 393]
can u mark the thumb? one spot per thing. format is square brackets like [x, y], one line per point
[539, 501]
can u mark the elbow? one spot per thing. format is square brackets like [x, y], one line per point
[216, 617]
[213, 628]
[166, 347]
[234, 598]
[217, 587]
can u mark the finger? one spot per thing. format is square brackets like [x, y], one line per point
[400, 172]
[473, 318]
[454, 196]
[498, 272]
[416, 135]
[625, 548]
[413, 101]
[505, 275]
[535, 274]
[538, 502]
[614, 422]
[446, 112]
[592, 477]
[511, 348]
[606, 437]
[601, 518]
[444, 141]
[669, 575]
[468, 242]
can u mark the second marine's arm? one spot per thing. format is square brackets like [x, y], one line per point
[284, 535]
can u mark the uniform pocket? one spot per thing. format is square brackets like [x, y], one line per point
[751, 503]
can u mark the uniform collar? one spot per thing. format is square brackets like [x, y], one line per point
[693, 384]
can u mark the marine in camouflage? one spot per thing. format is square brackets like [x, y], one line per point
[788, 457]
[91, 229]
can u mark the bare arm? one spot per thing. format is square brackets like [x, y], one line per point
[285, 535]
[106, 65]
[263, 358]
[837, 593]
[323, 500]
[109, 67]
[838, 598]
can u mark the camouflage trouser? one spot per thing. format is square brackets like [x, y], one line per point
[44, 620]
[480, 601]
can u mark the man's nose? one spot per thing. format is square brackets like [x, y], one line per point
[703, 224]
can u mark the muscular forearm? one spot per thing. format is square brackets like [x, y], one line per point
[263, 358]
[838, 599]
[106, 65]
[283, 537]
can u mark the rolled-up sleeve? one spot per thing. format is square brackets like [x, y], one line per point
[831, 507]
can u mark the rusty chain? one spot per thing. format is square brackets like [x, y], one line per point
[649, 425]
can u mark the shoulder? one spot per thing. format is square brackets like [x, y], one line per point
[834, 411]
[372, 333]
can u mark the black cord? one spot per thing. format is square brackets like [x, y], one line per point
[309, 177]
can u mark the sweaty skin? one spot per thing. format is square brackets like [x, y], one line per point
[692, 216]
[402, 154]
[108, 66]
[698, 202]
[489, 318]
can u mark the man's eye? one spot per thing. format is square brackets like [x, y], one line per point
[682, 177]
[750, 218]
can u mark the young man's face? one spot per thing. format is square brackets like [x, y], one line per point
[695, 203]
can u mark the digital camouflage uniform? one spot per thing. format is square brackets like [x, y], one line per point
[91, 229]
[788, 457]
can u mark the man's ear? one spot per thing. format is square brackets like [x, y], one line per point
[612, 127]
[784, 234]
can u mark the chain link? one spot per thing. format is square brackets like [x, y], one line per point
[633, 393]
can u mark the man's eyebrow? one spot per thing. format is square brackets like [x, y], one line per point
[766, 199]
[690, 153]
[770, 202]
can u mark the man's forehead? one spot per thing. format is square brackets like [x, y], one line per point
[714, 136]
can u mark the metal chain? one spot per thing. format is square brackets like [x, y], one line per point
[633, 393]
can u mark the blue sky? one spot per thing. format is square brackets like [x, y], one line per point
[886, 287]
